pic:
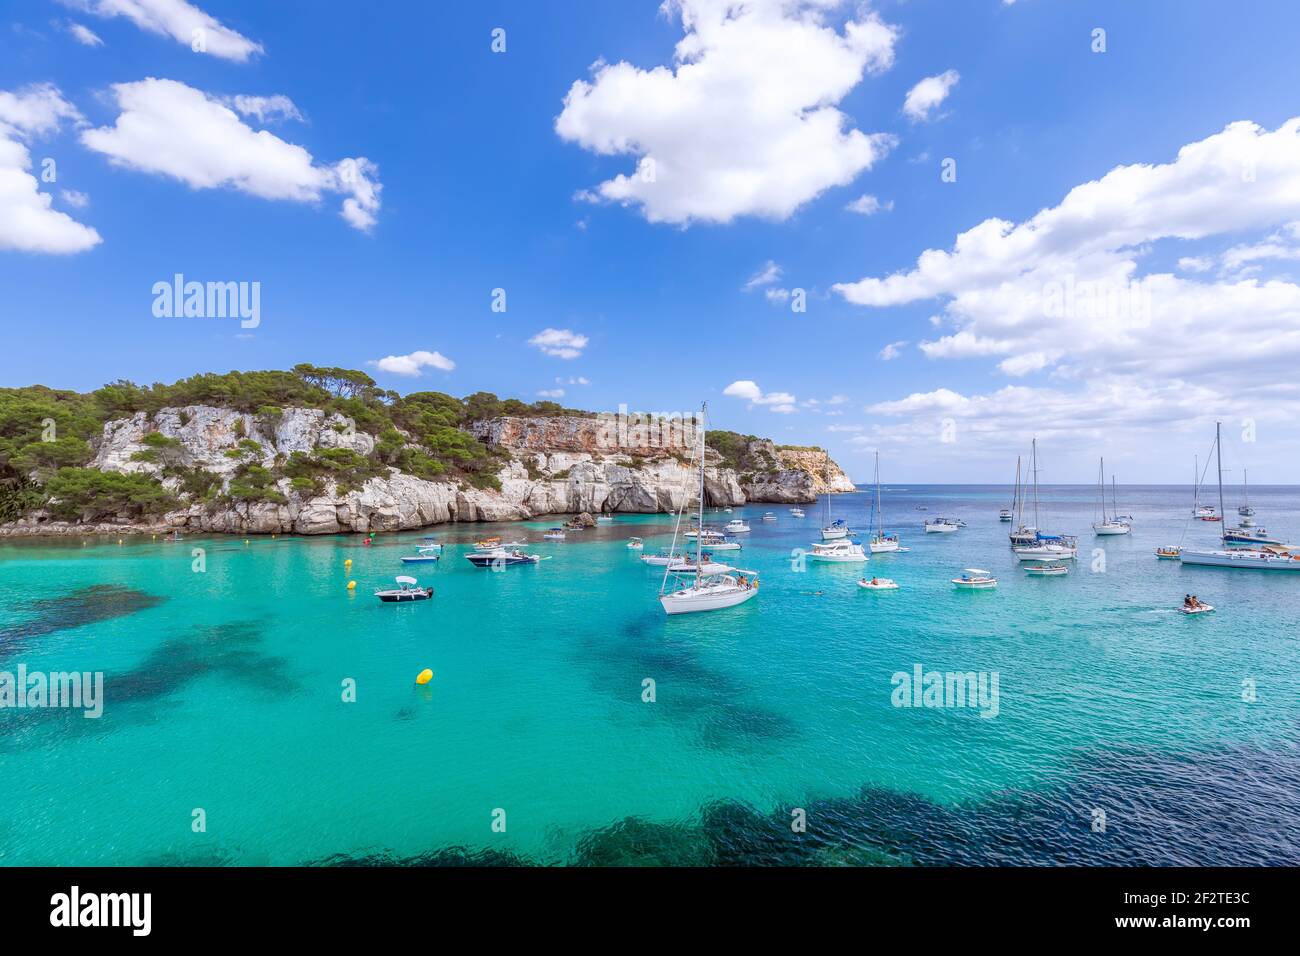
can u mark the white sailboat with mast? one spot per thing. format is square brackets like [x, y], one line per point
[1107, 525]
[880, 541]
[1269, 557]
[1039, 546]
[721, 587]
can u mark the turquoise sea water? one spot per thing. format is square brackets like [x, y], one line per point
[224, 692]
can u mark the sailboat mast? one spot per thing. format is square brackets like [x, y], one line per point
[1218, 451]
[699, 526]
[1101, 486]
[880, 515]
[1016, 503]
[1034, 468]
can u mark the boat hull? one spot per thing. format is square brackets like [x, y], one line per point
[707, 598]
[1250, 560]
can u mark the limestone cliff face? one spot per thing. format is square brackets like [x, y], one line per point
[553, 466]
[827, 476]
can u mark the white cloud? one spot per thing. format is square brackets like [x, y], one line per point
[551, 393]
[892, 351]
[74, 198]
[844, 428]
[781, 402]
[1143, 350]
[180, 20]
[573, 380]
[171, 129]
[770, 273]
[266, 109]
[413, 364]
[28, 223]
[559, 343]
[83, 34]
[744, 122]
[868, 205]
[928, 95]
[777, 296]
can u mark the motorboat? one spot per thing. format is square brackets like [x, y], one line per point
[942, 526]
[1005, 514]
[663, 558]
[769, 516]
[694, 590]
[424, 555]
[488, 544]
[842, 550]
[407, 589]
[797, 512]
[736, 526]
[975, 579]
[1168, 552]
[1244, 535]
[878, 584]
[501, 558]
[1046, 570]
[635, 544]
[554, 534]
[1048, 547]
[604, 519]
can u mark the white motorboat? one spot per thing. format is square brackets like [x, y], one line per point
[498, 558]
[975, 579]
[769, 516]
[736, 526]
[663, 558]
[554, 534]
[725, 544]
[842, 550]
[695, 589]
[878, 584]
[942, 526]
[425, 555]
[1047, 570]
[635, 544]
[407, 589]
[797, 512]
[604, 519]
[1005, 514]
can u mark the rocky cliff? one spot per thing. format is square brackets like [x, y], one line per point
[558, 465]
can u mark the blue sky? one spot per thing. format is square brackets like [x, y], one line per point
[471, 186]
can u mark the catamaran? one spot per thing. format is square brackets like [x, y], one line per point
[1038, 546]
[1269, 557]
[1111, 525]
[703, 592]
[880, 541]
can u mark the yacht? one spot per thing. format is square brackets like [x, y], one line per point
[836, 551]
[1107, 525]
[880, 542]
[694, 591]
[769, 516]
[501, 558]
[1268, 557]
[736, 526]
[1030, 544]
[942, 526]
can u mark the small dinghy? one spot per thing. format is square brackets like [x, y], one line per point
[487, 544]
[1046, 570]
[878, 584]
[1198, 609]
[424, 555]
[407, 590]
[1169, 553]
[635, 544]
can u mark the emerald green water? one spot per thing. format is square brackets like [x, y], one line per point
[224, 686]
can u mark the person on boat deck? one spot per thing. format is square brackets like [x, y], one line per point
[874, 581]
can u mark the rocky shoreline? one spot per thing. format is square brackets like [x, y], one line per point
[554, 466]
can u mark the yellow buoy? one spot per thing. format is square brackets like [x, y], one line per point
[426, 675]
[352, 585]
[347, 563]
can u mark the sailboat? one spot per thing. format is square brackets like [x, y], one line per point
[1022, 535]
[832, 529]
[1111, 525]
[1244, 509]
[1041, 546]
[696, 591]
[880, 542]
[1203, 512]
[1268, 557]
